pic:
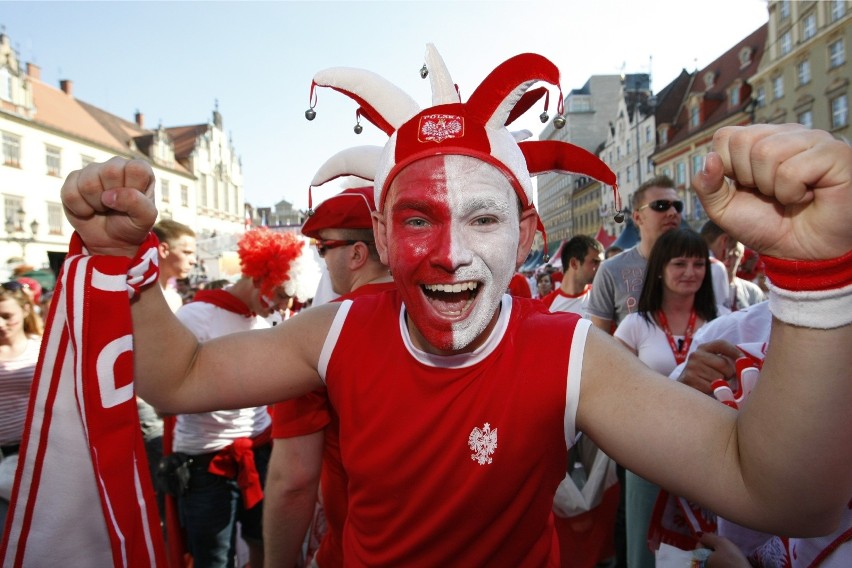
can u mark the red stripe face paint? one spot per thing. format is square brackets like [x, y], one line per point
[452, 238]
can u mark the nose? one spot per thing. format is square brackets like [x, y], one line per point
[451, 249]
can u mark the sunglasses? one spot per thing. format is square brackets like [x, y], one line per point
[324, 245]
[663, 205]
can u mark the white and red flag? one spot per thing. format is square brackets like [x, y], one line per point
[82, 494]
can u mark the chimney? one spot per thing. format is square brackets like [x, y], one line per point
[67, 87]
[140, 119]
[34, 71]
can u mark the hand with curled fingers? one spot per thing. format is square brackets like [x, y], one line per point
[725, 553]
[712, 361]
[783, 190]
[111, 205]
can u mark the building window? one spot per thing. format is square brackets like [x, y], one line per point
[629, 147]
[809, 27]
[53, 160]
[629, 173]
[836, 54]
[164, 190]
[184, 195]
[664, 136]
[11, 205]
[55, 217]
[761, 97]
[839, 112]
[86, 160]
[649, 133]
[203, 189]
[11, 150]
[681, 173]
[667, 172]
[735, 96]
[803, 71]
[838, 9]
[694, 116]
[784, 11]
[697, 163]
[806, 118]
[745, 56]
[786, 43]
[778, 87]
[650, 166]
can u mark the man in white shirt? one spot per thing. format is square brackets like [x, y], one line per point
[581, 256]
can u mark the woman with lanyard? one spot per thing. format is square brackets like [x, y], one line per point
[20, 340]
[677, 299]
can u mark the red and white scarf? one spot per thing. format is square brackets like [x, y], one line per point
[82, 453]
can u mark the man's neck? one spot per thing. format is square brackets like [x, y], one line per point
[644, 247]
[377, 277]
[571, 286]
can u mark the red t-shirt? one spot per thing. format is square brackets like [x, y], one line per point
[453, 461]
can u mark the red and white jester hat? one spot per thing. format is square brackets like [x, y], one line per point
[476, 128]
[351, 208]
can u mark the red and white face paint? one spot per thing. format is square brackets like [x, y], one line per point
[452, 226]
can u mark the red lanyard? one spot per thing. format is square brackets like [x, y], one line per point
[679, 354]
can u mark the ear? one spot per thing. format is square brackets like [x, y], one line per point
[358, 256]
[380, 233]
[574, 263]
[528, 227]
[163, 249]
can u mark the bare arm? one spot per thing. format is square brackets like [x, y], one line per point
[177, 374]
[602, 324]
[290, 496]
[111, 206]
[747, 466]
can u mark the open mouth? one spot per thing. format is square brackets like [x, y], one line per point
[451, 300]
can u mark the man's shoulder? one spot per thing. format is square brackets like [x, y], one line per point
[627, 258]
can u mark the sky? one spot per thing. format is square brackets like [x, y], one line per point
[175, 61]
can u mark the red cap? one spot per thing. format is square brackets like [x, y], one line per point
[349, 209]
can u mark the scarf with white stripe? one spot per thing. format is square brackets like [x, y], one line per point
[83, 495]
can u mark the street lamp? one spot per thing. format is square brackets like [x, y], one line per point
[15, 230]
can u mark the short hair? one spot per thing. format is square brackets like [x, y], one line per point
[710, 231]
[656, 181]
[169, 230]
[365, 236]
[578, 247]
[680, 242]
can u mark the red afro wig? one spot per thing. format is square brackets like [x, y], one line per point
[267, 257]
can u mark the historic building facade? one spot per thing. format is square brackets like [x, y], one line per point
[47, 133]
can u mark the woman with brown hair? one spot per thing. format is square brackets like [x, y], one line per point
[20, 341]
[677, 299]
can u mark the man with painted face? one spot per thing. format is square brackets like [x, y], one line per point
[452, 446]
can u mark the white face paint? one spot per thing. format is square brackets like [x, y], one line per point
[452, 238]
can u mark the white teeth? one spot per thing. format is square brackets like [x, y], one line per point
[457, 287]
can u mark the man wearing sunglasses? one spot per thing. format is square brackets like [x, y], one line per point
[305, 430]
[618, 282]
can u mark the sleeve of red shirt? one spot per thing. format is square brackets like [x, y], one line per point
[301, 416]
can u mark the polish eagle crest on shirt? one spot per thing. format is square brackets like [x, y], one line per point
[483, 442]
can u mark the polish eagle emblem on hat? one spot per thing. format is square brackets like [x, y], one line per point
[440, 127]
[483, 443]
